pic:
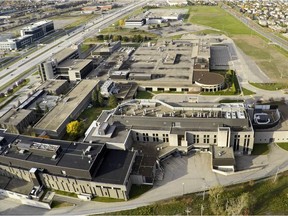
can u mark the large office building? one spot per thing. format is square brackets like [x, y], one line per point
[224, 130]
[85, 169]
[65, 65]
[38, 30]
[70, 107]
[29, 34]
[16, 43]
[175, 65]
[196, 126]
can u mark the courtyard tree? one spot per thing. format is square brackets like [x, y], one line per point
[74, 129]
[112, 102]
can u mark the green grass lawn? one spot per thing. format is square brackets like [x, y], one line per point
[85, 47]
[260, 149]
[91, 114]
[217, 18]
[138, 190]
[268, 57]
[283, 146]
[83, 19]
[106, 199]
[64, 193]
[270, 86]
[247, 91]
[59, 204]
[144, 95]
[231, 101]
[267, 198]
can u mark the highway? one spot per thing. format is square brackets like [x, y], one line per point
[75, 37]
[273, 38]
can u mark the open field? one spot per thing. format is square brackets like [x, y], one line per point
[271, 86]
[66, 21]
[269, 58]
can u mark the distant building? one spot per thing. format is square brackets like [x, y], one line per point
[54, 122]
[16, 43]
[74, 69]
[177, 2]
[38, 29]
[29, 34]
[49, 68]
[107, 88]
[55, 87]
[17, 120]
[135, 22]
[92, 9]
[107, 48]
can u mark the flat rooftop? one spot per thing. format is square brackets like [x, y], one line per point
[36, 24]
[14, 117]
[75, 64]
[39, 151]
[154, 114]
[51, 85]
[63, 54]
[272, 115]
[223, 156]
[115, 167]
[166, 61]
[208, 78]
[55, 118]
[113, 164]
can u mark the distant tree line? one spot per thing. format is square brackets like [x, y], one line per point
[133, 38]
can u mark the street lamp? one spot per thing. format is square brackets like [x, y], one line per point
[187, 210]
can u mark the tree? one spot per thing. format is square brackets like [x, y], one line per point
[121, 22]
[216, 200]
[94, 98]
[106, 37]
[112, 102]
[100, 37]
[100, 99]
[74, 128]
[240, 205]
[116, 37]
[126, 39]
[46, 109]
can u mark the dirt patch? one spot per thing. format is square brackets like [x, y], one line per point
[267, 57]
[61, 23]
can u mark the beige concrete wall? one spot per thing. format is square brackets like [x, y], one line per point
[85, 187]
[14, 173]
[271, 136]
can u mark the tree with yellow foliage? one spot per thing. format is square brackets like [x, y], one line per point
[121, 22]
[74, 129]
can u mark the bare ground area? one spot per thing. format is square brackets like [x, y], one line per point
[60, 23]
